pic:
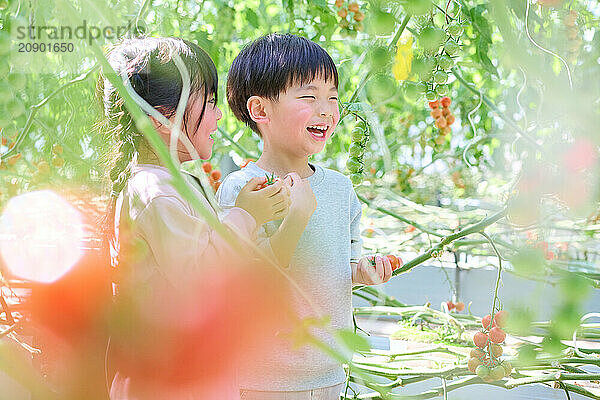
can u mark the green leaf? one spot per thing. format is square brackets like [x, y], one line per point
[352, 340]
[481, 53]
[480, 23]
[251, 17]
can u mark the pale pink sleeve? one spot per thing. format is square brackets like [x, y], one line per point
[182, 243]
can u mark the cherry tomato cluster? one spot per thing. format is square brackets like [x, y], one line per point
[458, 306]
[214, 175]
[440, 47]
[350, 26]
[395, 261]
[485, 359]
[355, 164]
[442, 116]
[532, 240]
[574, 40]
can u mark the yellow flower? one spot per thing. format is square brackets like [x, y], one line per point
[404, 56]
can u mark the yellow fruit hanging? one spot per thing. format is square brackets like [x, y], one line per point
[404, 56]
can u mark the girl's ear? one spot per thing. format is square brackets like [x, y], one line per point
[257, 110]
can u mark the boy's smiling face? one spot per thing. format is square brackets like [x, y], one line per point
[303, 118]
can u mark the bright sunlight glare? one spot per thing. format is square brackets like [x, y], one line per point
[41, 236]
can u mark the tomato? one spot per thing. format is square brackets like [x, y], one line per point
[446, 111]
[394, 261]
[356, 179]
[486, 321]
[207, 167]
[500, 318]
[441, 122]
[409, 229]
[446, 101]
[477, 353]
[434, 104]
[358, 16]
[355, 150]
[441, 90]
[495, 350]
[339, 3]
[431, 95]
[497, 335]
[353, 165]
[216, 174]
[440, 77]
[436, 113]
[343, 13]
[460, 306]
[497, 373]
[451, 47]
[473, 363]
[482, 371]
[480, 339]
[445, 62]
[353, 7]
[455, 29]
[450, 305]
[450, 119]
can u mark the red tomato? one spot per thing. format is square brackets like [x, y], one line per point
[460, 306]
[486, 321]
[394, 261]
[207, 167]
[216, 174]
[446, 101]
[480, 339]
[450, 305]
[497, 335]
[500, 318]
[434, 104]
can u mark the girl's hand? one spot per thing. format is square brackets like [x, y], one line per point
[267, 204]
[368, 274]
[304, 202]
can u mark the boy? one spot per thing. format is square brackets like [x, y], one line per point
[284, 87]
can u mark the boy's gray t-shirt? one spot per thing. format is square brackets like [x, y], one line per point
[321, 268]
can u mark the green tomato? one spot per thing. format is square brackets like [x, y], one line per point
[17, 80]
[15, 108]
[482, 371]
[3, 4]
[455, 29]
[422, 87]
[431, 38]
[451, 47]
[431, 95]
[442, 90]
[355, 150]
[440, 77]
[353, 165]
[497, 373]
[411, 91]
[356, 179]
[445, 62]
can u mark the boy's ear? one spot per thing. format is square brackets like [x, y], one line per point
[257, 110]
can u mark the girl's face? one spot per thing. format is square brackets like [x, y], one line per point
[200, 138]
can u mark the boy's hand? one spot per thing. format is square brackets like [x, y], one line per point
[303, 201]
[267, 204]
[367, 274]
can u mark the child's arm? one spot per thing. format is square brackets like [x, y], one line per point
[303, 204]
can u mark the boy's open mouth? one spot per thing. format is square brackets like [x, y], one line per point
[318, 131]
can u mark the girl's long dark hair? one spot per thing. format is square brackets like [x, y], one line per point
[148, 63]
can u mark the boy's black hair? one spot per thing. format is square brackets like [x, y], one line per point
[270, 65]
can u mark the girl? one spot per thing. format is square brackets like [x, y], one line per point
[163, 251]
